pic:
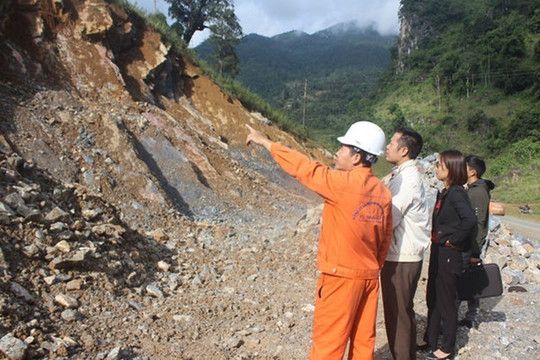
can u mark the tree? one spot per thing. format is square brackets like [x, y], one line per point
[225, 35]
[525, 123]
[197, 15]
[397, 119]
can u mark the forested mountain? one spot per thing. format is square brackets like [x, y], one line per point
[466, 74]
[340, 64]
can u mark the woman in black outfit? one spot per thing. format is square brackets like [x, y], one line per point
[454, 224]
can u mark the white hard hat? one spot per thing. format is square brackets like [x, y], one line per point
[366, 136]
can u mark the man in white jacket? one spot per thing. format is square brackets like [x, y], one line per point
[411, 237]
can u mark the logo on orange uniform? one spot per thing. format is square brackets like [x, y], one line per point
[369, 212]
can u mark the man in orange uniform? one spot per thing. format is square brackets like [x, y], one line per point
[354, 240]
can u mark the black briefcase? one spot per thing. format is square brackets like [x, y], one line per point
[480, 281]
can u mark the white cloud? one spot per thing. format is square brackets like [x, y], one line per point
[272, 17]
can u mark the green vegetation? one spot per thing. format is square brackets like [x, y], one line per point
[225, 36]
[254, 102]
[250, 100]
[470, 82]
[469, 79]
[313, 78]
[197, 15]
[217, 16]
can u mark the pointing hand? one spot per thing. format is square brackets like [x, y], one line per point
[257, 138]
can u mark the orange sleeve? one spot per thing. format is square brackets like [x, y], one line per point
[310, 173]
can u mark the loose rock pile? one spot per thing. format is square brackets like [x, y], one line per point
[96, 262]
[75, 281]
[56, 242]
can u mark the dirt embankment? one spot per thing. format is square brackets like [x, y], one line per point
[134, 222]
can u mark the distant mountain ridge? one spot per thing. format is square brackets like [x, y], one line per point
[341, 64]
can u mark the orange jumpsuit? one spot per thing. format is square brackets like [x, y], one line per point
[355, 237]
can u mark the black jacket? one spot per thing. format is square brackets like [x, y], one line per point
[455, 220]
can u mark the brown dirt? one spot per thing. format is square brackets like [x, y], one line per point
[177, 178]
[147, 156]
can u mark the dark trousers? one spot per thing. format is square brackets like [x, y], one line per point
[444, 270]
[399, 281]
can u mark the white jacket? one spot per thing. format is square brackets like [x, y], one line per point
[411, 214]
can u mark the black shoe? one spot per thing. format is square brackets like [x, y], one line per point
[432, 356]
[466, 323]
[423, 347]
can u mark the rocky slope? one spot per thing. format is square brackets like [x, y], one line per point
[135, 224]
[142, 159]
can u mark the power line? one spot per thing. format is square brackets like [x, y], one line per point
[493, 74]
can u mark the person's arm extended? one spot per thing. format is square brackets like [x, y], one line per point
[310, 173]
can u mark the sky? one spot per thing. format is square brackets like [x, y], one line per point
[273, 17]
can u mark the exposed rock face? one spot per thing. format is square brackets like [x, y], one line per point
[125, 117]
[134, 222]
[412, 33]
[408, 40]
[94, 20]
[126, 183]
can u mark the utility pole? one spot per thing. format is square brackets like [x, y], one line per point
[468, 83]
[305, 96]
[155, 6]
[439, 90]
[489, 67]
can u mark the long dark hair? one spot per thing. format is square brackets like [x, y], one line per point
[454, 161]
